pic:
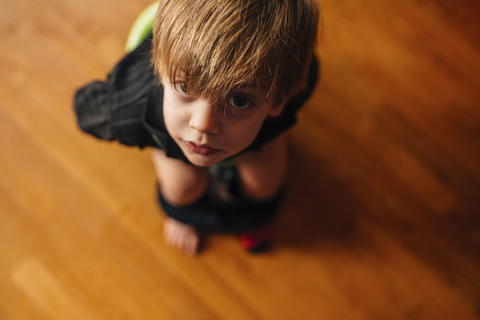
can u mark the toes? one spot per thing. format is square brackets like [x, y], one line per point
[181, 236]
[191, 245]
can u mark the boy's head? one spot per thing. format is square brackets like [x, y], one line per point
[216, 45]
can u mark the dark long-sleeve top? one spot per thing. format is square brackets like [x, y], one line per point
[128, 106]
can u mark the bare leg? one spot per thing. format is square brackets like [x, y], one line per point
[180, 185]
[262, 173]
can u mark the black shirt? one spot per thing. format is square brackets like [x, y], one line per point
[128, 106]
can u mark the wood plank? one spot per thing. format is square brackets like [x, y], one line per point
[381, 219]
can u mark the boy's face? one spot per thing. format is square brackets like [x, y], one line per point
[208, 133]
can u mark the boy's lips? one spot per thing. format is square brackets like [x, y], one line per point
[202, 149]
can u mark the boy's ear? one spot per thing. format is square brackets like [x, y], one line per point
[276, 110]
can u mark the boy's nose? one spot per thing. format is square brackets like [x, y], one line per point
[203, 118]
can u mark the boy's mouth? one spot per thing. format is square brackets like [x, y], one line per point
[202, 149]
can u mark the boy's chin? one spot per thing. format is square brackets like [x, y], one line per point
[204, 161]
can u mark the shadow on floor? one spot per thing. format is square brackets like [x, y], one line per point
[318, 206]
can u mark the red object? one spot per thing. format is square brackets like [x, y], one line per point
[257, 240]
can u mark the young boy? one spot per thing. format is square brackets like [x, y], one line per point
[217, 80]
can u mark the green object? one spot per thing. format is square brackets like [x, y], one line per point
[226, 164]
[142, 27]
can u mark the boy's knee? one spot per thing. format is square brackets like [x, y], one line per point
[260, 189]
[180, 195]
[265, 184]
[263, 173]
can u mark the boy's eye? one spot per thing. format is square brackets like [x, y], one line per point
[239, 101]
[181, 87]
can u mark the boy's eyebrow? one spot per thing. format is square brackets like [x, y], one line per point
[248, 85]
[255, 90]
[253, 85]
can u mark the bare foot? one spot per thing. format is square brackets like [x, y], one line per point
[181, 236]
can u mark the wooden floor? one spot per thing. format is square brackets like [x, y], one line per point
[382, 220]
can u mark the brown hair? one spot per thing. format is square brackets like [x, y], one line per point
[216, 45]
